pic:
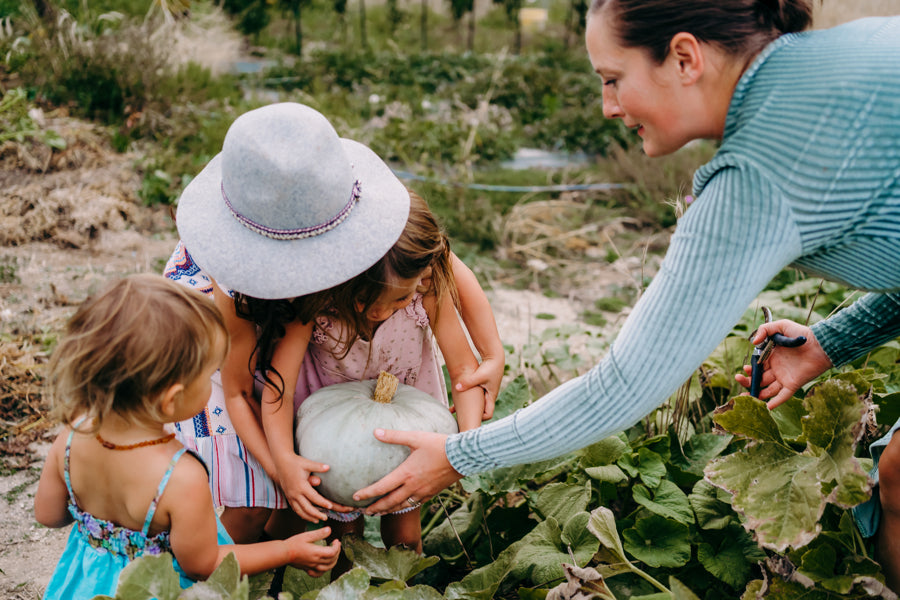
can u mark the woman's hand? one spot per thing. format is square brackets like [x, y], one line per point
[298, 481]
[424, 473]
[787, 369]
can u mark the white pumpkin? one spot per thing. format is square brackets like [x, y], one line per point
[335, 425]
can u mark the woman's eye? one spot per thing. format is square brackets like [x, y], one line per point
[611, 82]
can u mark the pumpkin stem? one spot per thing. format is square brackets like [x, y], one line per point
[385, 387]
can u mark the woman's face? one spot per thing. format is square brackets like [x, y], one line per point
[643, 94]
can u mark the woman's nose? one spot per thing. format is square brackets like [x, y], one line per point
[611, 108]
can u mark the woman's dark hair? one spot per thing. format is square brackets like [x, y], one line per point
[739, 27]
[422, 244]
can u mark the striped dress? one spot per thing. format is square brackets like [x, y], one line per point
[808, 174]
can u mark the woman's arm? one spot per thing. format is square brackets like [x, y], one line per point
[713, 270]
[479, 319]
[469, 404]
[51, 501]
[237, 382]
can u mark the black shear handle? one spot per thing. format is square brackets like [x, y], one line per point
[756, 371]
[756, 366]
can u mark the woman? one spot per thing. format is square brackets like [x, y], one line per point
[808, 174]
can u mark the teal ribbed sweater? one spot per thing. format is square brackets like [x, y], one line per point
[808, 174]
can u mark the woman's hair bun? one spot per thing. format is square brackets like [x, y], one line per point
[785, 16]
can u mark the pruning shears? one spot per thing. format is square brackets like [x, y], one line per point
[762, 351]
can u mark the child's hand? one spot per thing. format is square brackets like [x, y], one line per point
[487, 376]
[297, 484]
[316, 560]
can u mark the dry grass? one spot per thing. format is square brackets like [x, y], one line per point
[834, 12]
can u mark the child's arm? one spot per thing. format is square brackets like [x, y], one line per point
[193, 535]
[294, 471]
[237, 382]
[479, 319]
[461, 362]
[52, 498]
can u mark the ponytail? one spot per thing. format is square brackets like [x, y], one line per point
[785, 16]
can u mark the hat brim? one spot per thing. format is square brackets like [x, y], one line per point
[245, 261]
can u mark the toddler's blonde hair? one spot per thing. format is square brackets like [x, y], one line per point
[125, 346]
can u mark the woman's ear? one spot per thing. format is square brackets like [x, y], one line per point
[688, 55]
[170, 397]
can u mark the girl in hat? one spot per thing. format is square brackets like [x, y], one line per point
[135, 358]
[307, 211]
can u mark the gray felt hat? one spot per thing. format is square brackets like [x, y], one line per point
[289, 208]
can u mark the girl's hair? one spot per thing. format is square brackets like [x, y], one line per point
[422, 244]
[124, 347]
[739, 27]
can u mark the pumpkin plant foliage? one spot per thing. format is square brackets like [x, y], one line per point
[694, 501]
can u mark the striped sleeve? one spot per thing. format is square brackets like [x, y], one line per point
[713, 270]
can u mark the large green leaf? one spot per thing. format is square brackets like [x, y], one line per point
[711, 505]
[681, 591]
[543, 551]
[447, 539]
[659, 542]
[299, 584]
[225, 583]
[351, 584]
[149, 577]
[666, 500]
[394, 590]
[605, 452]
[391, 563]
[729, 554]
[698, 450]
[781, 492]
[481, 583]
[603, 525]
[561, 500]
[646, 464]
[512, 397]
[513, 479]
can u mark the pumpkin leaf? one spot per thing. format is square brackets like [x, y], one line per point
[482, 583]
[511, 398]
[395, 590]
[513, 479]
[782, 492]
[667, 500]
[605, 452]
[149, 577]
[298, 583]
[543, 552]
[730, 555]
[351, 584]
[561, 500]
[646, 464]
[603, 525]
[711, 506]
[225, 583]
[681, 591]
[698, 451]
[463, 522]
[658, 541]
[380, 563]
